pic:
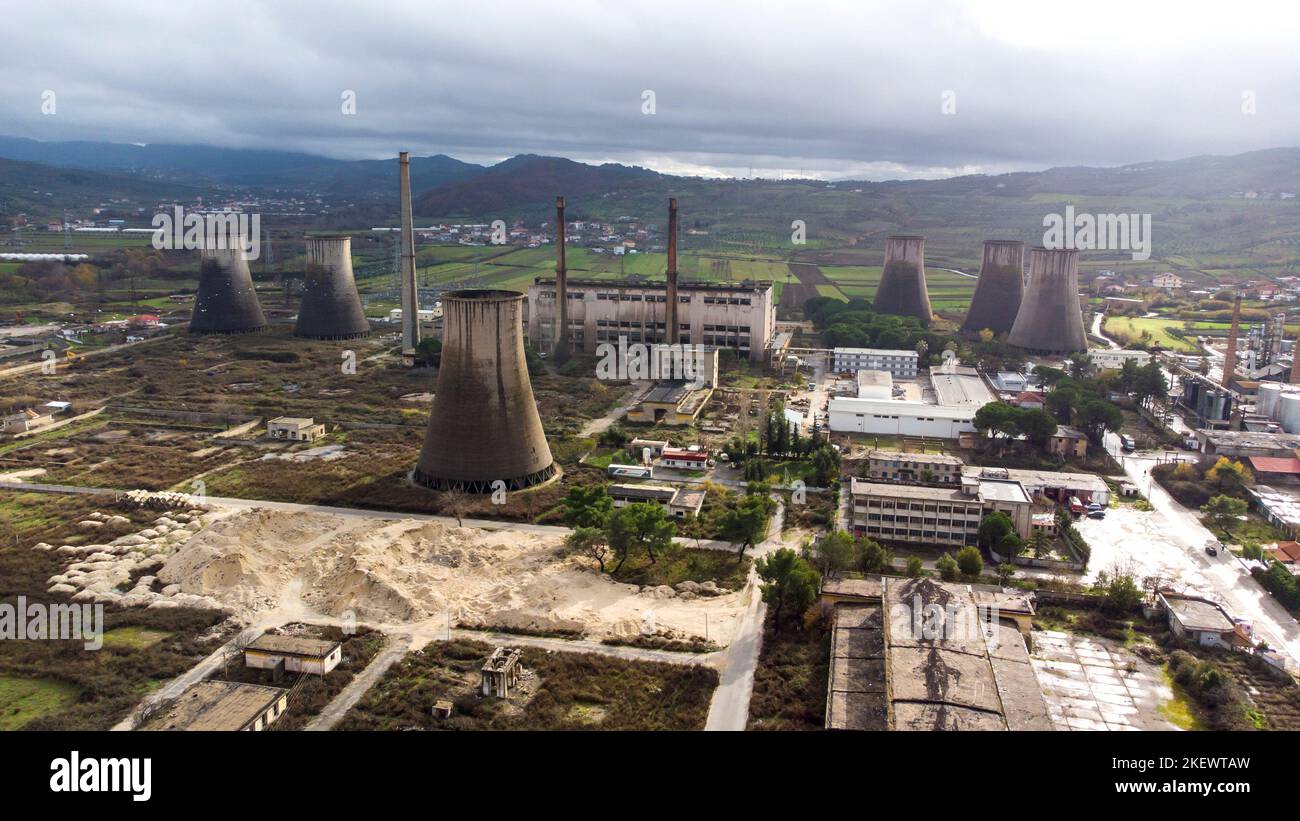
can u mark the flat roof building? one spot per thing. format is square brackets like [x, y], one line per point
[294, 428]
[297, 654]
[223, 705]
[936, 515]
[899, 363]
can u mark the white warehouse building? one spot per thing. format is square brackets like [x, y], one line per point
[895, 362]
[899, 418]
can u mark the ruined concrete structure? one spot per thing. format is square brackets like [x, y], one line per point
[409, 288]
[1000, 288]
[902, 288]
[331, 307]
[484, 425]
[1050, 319]
[226, 302]
[500, 673]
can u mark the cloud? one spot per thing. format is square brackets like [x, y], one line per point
[823, 89]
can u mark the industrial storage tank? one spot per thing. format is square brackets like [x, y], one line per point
[1288, 412]
[484, 425]
[1000, 288]
[226, 302]
[1050, 319]
[902, 288]
[1267, 399]
[330, 307]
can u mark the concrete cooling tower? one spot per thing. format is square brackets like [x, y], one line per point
[484, 425]
[1050, 319]
[902, 285]
[331, 307]
[998, 292]
[226, 302]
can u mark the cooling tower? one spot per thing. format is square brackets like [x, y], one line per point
[484, 425]
[1050, 319]
[1000, 287]
[902, 285]
[331, 307]
[226, 302]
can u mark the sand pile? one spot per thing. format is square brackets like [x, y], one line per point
[405, 571]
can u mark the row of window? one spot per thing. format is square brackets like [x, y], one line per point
[911, 533]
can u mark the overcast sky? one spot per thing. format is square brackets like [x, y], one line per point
[828, 89]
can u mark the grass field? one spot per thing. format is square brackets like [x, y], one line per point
[25, 699]
[1156, 327]
[134, 637]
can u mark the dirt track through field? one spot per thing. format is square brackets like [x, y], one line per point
[809, 276]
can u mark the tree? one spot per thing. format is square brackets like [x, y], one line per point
[744, 521]
[947, 567]
[453, 503]
[969, 561]
[826, 466]
[1224, 510]
[590, 542]
[1096, 416]
[789, 584]
[1229, 475]
[636, 527]
[587, 506]
[1005, 572]
[915, 567]
[873, 557]
[993, 528]
[831, 554]
[1041, 541]
[1121, 594]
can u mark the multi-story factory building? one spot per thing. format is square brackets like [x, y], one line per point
[740, 316]
[895, 363]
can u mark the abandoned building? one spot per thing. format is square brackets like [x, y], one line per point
[500, 672]
[225, 706]
[294, 654]
[294, 428]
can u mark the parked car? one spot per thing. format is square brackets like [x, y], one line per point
[1212, 548]
[1097, 514]
[1076, 506]
[1126, 443]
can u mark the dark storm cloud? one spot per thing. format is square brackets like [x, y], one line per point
[823, 88]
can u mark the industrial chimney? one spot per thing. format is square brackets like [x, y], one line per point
[1000, 287]
[226, 302]
[1295, 361]
[484, 426]
[561, 348]
[331, 307]
[1230, 355]
[1050, 319]
[409, 290]
[902, 288]
[670, 308]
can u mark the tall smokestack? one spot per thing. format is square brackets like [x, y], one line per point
[1050, 319]
[410, 294]
[331, 307]
[226, 302]
[1295, 361]
[561, 348]
[902, 288]
[1230, 355]
[1000, 288]
[670, 311]
[484, 426]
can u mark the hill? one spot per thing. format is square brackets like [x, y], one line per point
[529, 182]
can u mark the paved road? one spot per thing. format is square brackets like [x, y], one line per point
[1097, 320]
[1222, 578]
[358, 687]
[185, 680]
